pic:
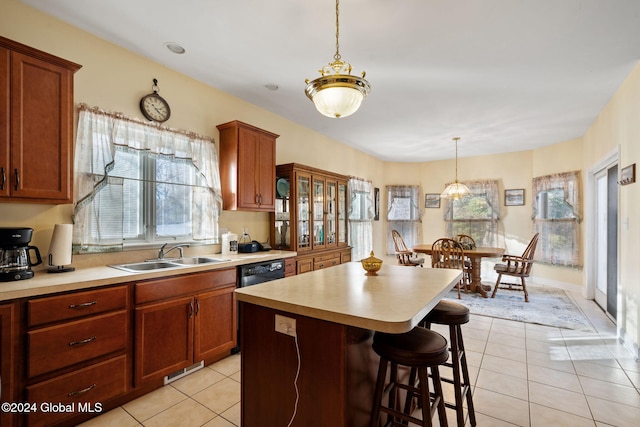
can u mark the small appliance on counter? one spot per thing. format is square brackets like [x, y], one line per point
[15, 254]
[247, 246]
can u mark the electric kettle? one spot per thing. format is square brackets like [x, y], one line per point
[16, 255]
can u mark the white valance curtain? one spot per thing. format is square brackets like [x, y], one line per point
[361, 213]
[100, 134]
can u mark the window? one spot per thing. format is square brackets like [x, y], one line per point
[476, 215]
[556, 215]
[139, 183]
[403, 215]
[360, 218]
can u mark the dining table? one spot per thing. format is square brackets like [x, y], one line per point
[475, 255]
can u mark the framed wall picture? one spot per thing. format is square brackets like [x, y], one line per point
[514, 197]
[431, 200]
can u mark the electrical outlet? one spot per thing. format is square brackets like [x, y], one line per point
[285, 325]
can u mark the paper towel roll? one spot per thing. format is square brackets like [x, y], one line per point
[61, 244]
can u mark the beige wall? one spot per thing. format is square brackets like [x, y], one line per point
[618, 127]
[115, 79]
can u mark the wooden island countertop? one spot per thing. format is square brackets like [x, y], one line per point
[329, 357]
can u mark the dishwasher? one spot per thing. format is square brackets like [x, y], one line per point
[260, 272]
[252, 274]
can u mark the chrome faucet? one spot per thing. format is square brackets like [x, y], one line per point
[162, 252]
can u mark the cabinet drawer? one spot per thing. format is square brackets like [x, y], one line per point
[325, 261]
[191, 284]
[345, 256]
[77, 304]
[73, 342]
[83, 389]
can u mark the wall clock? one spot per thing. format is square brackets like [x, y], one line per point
[154, 107]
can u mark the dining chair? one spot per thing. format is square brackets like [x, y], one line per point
[516, 266]
[468, 243]
[404, 255]
[448, 253]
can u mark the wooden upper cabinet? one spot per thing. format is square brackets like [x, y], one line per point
[247, 167]
[36, 125]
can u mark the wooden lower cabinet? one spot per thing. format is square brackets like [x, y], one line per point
[78, 354]
[82, 391]
[8, 329]
[192, 319]
[215, 329]
[324, 259]
[164, 338]
[290, 267]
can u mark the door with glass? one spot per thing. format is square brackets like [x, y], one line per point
[303, 202]
[318, 229]
[606, 234]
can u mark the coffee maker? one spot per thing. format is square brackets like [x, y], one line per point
[15, 254]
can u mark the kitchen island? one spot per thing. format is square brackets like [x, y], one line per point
[329, 319]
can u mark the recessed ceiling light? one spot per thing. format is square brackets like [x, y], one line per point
[271, 86]
[175, 48]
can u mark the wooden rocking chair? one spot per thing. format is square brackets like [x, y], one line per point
[516, 266]
[403, 254]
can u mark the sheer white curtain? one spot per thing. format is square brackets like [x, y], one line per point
[557, 213]
[360, 218]
[477, 215]
[403, 215]
[100, 136]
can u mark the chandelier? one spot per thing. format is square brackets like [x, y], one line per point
[456, 190]
[336, 93]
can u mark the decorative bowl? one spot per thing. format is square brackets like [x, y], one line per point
[371, 265]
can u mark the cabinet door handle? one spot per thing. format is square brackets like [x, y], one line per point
[197, 306]
[3, 179]
[84, 304]
[81, 392]
[17, 174]
[190, 309]
[85, 341]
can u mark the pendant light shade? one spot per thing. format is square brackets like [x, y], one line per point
[456, 190]
[336, 93]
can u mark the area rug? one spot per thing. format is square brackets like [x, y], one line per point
[546, 306]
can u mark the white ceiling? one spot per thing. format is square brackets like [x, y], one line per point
[504, 75]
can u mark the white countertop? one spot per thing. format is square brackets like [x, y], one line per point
[394, 301]
[44, 283]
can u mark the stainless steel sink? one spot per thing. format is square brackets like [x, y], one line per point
[197, 260]
[146, 266]
[172, 263]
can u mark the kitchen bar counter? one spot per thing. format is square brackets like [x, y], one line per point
[44, 283]
[394, 301]
[334, 312]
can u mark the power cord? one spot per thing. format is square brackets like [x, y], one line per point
[295, 382]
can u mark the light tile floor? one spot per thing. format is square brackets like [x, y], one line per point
[524, 375]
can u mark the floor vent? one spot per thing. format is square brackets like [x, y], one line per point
[183, 372]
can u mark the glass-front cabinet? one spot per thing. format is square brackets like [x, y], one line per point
[310, 212]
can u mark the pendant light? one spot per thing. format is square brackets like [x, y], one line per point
[336, 93]
[456, 190]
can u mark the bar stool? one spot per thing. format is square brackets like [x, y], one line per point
[454, 315]
[421, 350]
